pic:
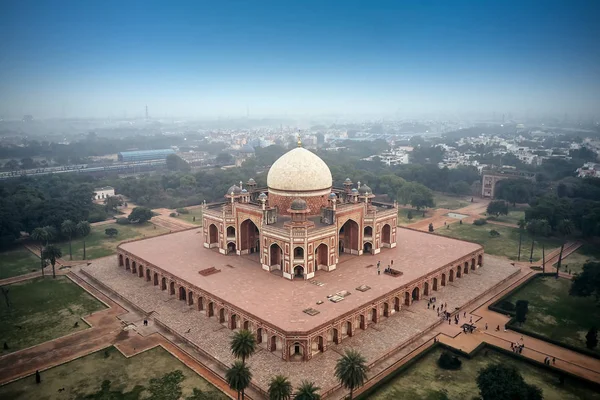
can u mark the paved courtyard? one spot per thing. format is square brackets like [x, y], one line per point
[373, 343]
[244, 284]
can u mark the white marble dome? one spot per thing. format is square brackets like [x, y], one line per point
[299, 170]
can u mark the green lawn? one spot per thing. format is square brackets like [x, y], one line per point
[18, 261]
[450, 202]
[575, 261]
[84, 376]
[195, 212]
[403, 216]
[99, 245]
[43, 309]
[513, 216]
[555, 314]
[424, 380]
[507, 244]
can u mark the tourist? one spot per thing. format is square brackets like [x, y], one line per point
[465, 315]
[504, 328]
[428, 304]
[392, 262]
[471, 320]
[498, 328]
[553, 360]
[378, 271]
[378, 263]
[38, 378]
[486, 326]
[546, 360]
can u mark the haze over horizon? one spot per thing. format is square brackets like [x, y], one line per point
[210, 59]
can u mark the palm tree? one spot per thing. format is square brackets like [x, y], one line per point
[243, 344]
[52, 253]
[68, 228]
[280, 388]
[84, 229]
[564, 227]
[307, 391]
[537, 227]
[351, 370]
[238, 377]
[522, 224]
[51, 232]
[40, 235]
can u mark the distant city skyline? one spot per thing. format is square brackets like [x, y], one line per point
[233, 58]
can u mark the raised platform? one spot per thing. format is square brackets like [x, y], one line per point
[280, 303]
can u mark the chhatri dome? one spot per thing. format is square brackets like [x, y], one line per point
[299, 170]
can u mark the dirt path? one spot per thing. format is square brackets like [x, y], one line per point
[440, 216]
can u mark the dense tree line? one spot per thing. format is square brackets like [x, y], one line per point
[29, 203]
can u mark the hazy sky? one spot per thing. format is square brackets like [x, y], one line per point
[215, 58]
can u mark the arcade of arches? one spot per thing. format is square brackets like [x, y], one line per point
[295, 347]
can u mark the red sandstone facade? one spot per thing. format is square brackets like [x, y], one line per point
[299, 345]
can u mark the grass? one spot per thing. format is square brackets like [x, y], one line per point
[194, 212]
[43, 309]
[450, 202]
[422, 380]
[416, 216]
[507, 244]
[18, 261]
[98, 244]
[84, 376]
[555, 314]
[575, 261]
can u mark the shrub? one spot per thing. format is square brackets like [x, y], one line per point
[183, 211]
[507, 305]
[123, 221]
[173, 214]
[494, 233]
[491, 218]
[448, 360]
[480, 221]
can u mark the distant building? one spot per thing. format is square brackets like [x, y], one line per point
[589, 169]
[144, 155]
[490, 178]
[104, 192]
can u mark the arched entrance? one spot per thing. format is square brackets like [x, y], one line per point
[368, 232]
[163, 284]
[120, 260]
[451, 275]
[396, 304]
[466, 270]
[435, 284]
[426, 289]
[368, 248]
[213, 235]
[406, 299]
[211, 309]
[386, 310]
[200, 303]
[322, 255]
[249, 234]
[480, 260]
[182, 293]
[362, 324]
[127, 267]
[141, 271]
[443, 279]
[298, 253]
[349, 328]
[230, 233]
[231, 248]
[155, 280]
[473, 264]
[458, 272]
[298, 272]
[190, 298]
[374, 315]
[276, 255]
[349, 237]
[148, 278]
[386, 235]
[320, 344]
[172, 288]
[273, 343]
[259, 335]
[233, 321]
[133, 266]
[297, 351]
[336, 336]
[415, 294]
[221, 315]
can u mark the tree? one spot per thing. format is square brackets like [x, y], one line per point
[69, 228]
[111, 203]
[459, 188]
[83, 229]
[40, 235]
[111, 232]
[198, 394]
[168, 387]
[307, 391]
[52, 253]
[522, 224]
[416, 195]
[280, 388]
[140, 215]
[587, 283]
[351, 370]
[537, 227]
[223, 159]
[503, 382]
[564, 228]
[521, 308]
[176, 163]
[238, 377]
[409, 215]
[591, 338]
[497, 207]
[243, 344]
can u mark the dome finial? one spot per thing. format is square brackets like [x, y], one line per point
[299, 140]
